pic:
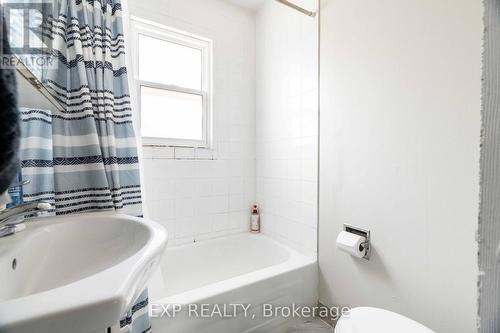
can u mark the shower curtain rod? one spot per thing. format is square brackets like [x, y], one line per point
[300, 9]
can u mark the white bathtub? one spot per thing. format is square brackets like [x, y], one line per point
[246, 269]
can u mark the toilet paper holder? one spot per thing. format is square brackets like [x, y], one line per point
[360, 232]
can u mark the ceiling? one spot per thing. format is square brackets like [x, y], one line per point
[250, 4]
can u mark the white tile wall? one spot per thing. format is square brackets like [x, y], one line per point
[201, 194]
[287, 124]
[199, 199]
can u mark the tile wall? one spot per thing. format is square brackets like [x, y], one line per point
[287, 124]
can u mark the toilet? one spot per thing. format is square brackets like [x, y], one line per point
[373, 320]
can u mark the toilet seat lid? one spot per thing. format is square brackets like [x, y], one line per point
[373, 320]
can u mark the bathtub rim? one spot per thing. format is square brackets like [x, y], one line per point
[294, 261]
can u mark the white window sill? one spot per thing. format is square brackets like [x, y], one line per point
[177, 153]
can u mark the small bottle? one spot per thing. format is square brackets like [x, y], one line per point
[255, 220]
[16, 192]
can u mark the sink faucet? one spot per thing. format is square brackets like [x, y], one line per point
[10, 218]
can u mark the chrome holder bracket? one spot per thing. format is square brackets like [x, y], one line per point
[360, 232]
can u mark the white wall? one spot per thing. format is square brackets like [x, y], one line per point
[30, 97]
[198, 197]
[400, 128]
[287, 123]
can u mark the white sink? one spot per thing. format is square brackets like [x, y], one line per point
[76, 273]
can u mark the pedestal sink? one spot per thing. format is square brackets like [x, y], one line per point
[75, 274]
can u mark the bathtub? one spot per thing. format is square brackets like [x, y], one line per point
[223, 286]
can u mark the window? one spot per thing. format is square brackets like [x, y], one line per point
[172, 70]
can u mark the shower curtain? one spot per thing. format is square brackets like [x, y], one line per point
[94, 133]
[84, 157]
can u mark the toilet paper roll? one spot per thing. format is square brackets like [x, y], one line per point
[352, 244]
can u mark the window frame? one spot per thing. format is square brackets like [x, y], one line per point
[154, 30]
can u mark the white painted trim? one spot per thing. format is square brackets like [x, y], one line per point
[205, 45]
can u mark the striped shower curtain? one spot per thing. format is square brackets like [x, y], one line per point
[84, 157]
[94, 135]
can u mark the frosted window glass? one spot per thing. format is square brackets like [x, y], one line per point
[170, 114]
[166, 62]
